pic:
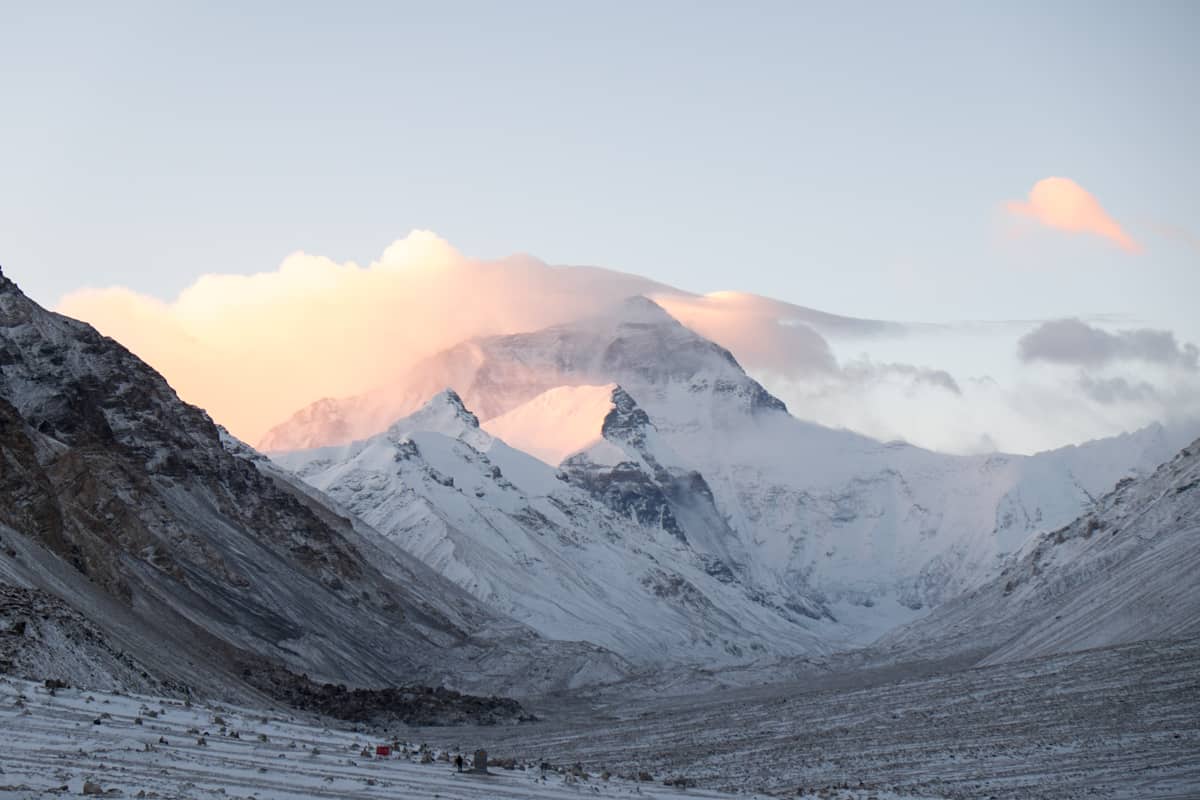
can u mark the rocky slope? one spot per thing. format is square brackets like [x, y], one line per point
[1123, 572]
[199, 557]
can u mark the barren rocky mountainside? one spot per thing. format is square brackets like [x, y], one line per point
[196, 561]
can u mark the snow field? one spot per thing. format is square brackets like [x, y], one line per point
[50, 741]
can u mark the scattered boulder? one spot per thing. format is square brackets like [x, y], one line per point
[411, 705]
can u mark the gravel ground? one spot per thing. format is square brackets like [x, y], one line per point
[1120, 722]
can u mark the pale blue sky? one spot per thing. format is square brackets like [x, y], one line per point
[850, 157]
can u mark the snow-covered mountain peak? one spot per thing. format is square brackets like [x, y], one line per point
[641, 310]
[587, 550]
[444, 414]
[325, 420]
[638, 341]
[661, 430]
[634, 343]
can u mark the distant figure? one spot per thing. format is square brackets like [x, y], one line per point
[458, 762]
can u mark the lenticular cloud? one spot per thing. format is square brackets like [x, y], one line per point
[1063, 204]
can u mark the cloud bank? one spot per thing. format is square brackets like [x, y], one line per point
[1074, 342]
[252, 350]
[1063, 204]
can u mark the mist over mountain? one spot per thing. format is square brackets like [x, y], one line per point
[325, 331]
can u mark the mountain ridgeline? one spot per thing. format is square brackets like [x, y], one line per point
[657, 435]
[543, 511]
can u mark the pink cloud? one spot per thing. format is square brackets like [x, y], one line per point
[251, 349]
[1063, 204]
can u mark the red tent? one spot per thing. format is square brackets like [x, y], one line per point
[383, 750]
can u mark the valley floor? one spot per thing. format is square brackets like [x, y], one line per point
[51, 746]
[1116, 723]
[1121, 722]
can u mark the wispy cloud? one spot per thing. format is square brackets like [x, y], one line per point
[1063, 204]
[1177, 233]
[760, 332]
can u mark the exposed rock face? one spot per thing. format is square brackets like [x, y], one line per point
[104, 449]
[640, 487]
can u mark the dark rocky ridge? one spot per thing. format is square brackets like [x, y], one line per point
[410, 705]
[649, 492]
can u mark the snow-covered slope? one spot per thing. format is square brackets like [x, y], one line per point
[520, 536]
[829, 522]
[557, 423]
[1125, 571]
[198, 556]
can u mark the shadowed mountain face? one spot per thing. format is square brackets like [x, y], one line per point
[196, 554]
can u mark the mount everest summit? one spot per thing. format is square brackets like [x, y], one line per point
[678, 512]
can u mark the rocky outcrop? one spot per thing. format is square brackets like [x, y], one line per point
[408, 705]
